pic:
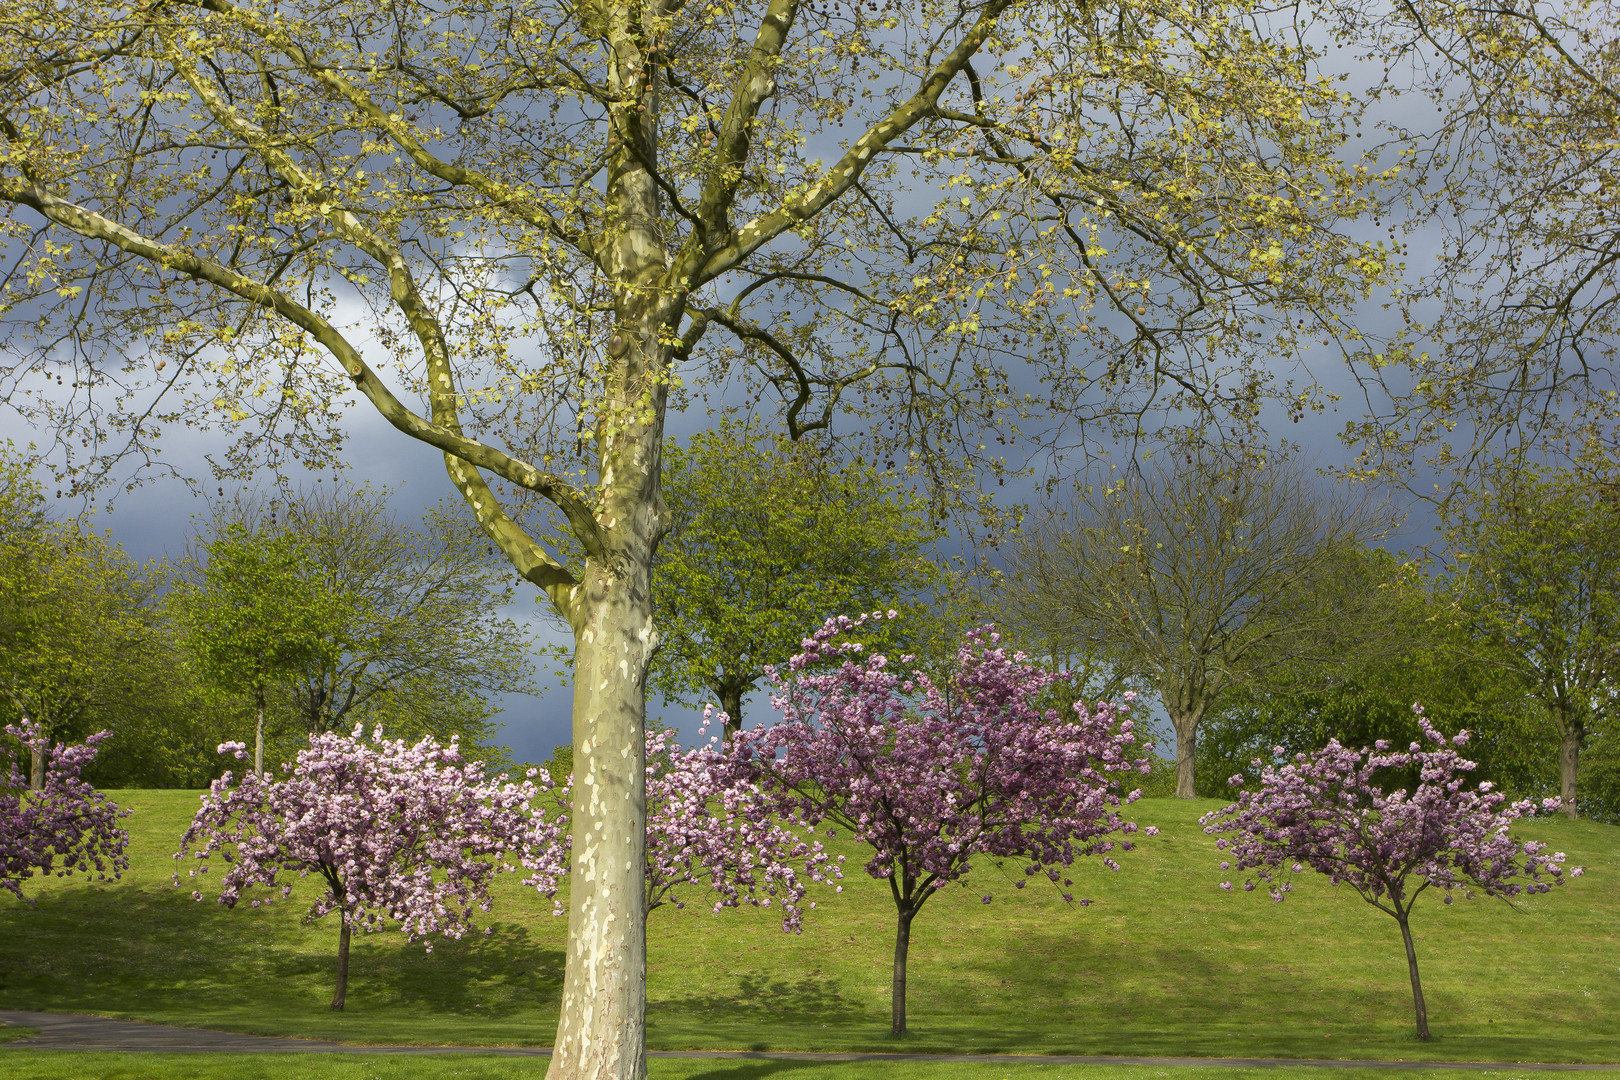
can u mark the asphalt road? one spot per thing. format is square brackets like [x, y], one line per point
[68, 1031]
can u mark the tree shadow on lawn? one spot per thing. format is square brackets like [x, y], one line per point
[753, 1070]
[762, 997]
[165, 949]
[500, 975]
[759, 1004]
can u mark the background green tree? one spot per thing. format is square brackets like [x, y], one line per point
[1195, 574]
[769, 538]
[1537, 554]
[257, 614]
[421, 645]
[1358, 695]
[76, 616]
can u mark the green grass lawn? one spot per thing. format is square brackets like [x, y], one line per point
[1163, 963]
[59, 1065]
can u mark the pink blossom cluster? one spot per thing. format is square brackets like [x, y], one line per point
[1328, 811]
[708, 825]
[405, 834]
[65, 827]
[932, 775]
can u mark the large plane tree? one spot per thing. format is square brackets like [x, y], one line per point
[522, 232]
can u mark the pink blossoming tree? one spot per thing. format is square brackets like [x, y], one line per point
[66, 826]
[933, 775]
[405, 834]
[1328, 811]
[709, 825]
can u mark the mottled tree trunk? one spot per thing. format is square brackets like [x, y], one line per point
[36, 766]
[343, 962]
[1569, 759]
[600, 1032]
[902, 945]
[601, 1029]
[258, 737]
[1417, 987]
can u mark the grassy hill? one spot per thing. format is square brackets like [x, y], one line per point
[1162, 963]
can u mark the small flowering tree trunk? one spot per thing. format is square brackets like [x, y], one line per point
[1412, 969]
[908, 900]
[902, 943]
[343, 962]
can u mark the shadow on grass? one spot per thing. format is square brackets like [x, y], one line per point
[753, 1070]
[499, 975]
[165, 947]
[806, 999]
[756, 1013]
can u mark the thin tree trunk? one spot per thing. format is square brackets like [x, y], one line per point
[902, 945]
[600, 1031]
[1569, 759]
[1417, 986]
[36, 767]
[258, 739]
[343, 962]
[731, 702]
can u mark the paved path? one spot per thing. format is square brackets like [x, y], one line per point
[68, 1031]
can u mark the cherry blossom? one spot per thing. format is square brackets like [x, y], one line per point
[65, 827]
[709, 825]
[401, 834]
[1329, 811]
[933, 775]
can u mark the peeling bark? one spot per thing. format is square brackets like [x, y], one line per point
[600, 1030]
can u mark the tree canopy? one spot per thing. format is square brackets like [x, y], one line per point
[259, 616]
[76, 617]
[1538, 566]
[767, 543]
[1508, 332]
[1196, 575]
